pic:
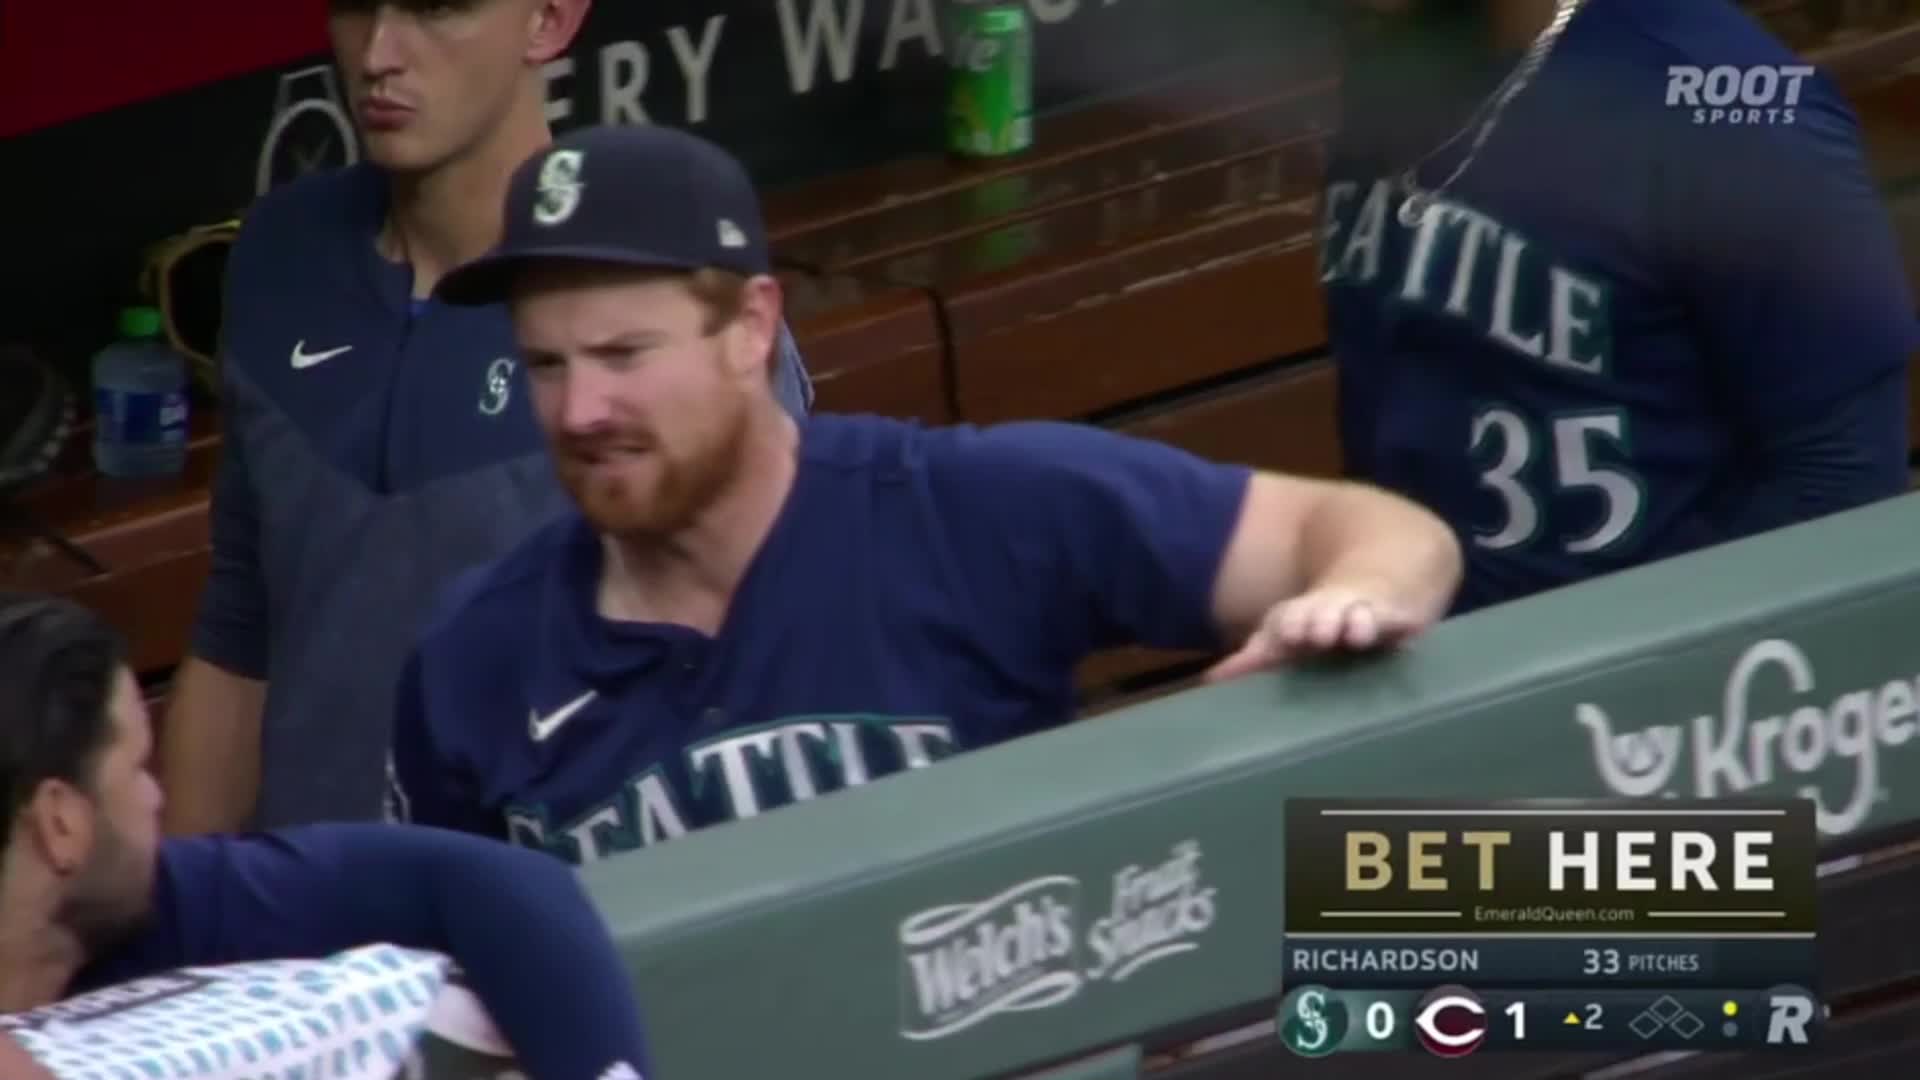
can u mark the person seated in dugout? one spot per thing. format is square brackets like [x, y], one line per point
[741, 611]
[91, 897]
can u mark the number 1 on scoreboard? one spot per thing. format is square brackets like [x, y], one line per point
[1517, 1012]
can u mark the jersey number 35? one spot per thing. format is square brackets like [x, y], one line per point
[1528, 463]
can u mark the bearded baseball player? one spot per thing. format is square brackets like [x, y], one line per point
[743, 611]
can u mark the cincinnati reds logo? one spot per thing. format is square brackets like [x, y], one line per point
[1451, 1022]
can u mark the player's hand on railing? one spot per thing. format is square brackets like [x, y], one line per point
[1330, 619]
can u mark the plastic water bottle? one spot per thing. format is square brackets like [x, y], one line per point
[140, 401]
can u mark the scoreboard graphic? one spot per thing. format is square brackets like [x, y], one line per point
[1452, 927]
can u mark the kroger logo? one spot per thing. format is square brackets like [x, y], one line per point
[1725, 94]
[1736, 751]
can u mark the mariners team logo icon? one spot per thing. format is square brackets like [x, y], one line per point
[499, 387]
[559, 187]
[1313, 1021]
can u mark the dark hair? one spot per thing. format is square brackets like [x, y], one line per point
[58, 662]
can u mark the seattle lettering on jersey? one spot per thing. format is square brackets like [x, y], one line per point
[1463, 264]
[736, 775]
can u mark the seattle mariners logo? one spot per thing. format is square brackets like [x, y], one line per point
[499, 391]
[559, 187]
[1316, 1024]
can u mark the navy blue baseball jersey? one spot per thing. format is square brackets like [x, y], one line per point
[1661, 307]
[520, 927]
[922, 592]
[375, 446]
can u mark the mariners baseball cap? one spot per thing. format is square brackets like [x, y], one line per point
[642, 196]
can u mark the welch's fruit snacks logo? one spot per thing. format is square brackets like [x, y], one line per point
[1028, 948]
[1156, 912]
[1013, 952]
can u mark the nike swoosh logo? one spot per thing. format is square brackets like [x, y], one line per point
[303, 359]
[543, 727]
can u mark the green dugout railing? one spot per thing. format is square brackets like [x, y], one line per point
[961, 921]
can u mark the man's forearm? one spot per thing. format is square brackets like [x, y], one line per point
[209, 749]
[1361, 534]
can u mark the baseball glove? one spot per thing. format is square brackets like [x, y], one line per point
[36, 417]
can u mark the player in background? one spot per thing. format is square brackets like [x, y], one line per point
[90, 897]
[742, 612]
[1588, 323]
[376, 442]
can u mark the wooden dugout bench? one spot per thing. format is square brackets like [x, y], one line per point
[1149, 266]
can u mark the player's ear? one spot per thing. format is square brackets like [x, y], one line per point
[59, 821]
[552, 25]
[758, 323]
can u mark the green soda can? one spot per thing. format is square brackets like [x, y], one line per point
[990, 87]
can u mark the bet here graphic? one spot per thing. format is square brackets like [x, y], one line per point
[1567, 866]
